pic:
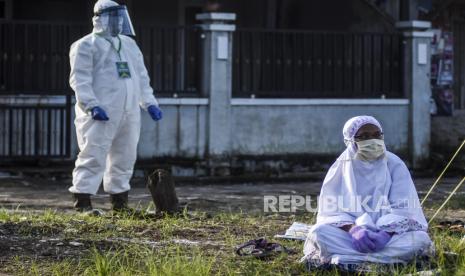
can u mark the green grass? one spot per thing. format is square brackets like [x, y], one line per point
[156, 247]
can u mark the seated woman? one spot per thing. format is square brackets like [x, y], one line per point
[368, 209]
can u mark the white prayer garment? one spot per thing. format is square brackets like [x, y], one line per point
[378, 195]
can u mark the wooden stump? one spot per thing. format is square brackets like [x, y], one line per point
[161, 186]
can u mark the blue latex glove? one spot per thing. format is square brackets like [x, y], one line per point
[380, 239]
[155, 112]
[361, 240]
[99, 114]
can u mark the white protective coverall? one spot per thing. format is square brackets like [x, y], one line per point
[108, 149]
[391, 205]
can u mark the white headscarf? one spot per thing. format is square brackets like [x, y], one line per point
[351, 128]
[349, 177]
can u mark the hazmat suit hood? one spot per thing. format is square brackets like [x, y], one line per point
[100, 22]
[111, 19]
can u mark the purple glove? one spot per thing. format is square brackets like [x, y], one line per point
[99, 114]
[361, 240]
[155, 112]
[380, 239]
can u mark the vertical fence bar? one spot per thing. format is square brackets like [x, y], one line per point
[49, 132]
[174, 76]
[10, 131]
[3, 138]
[63, 128]
[68, 123]
[36, 132]
[13, 57]
[163, 60]
[397, 70]
[2, 57]
[23, 131]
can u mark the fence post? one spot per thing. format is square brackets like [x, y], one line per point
[417, 87]
[216, 84]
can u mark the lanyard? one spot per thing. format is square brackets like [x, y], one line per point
[113, 46]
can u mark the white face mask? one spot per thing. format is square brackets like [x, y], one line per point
[369, 150]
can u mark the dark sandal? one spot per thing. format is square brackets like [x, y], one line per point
[261, 248]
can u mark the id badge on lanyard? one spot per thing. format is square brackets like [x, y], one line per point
[122, 67]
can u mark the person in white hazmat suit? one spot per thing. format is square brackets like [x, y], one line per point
[110, 81]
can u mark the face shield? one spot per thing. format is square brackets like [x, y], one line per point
[118, 20]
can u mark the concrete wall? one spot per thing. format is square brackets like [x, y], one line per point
[281, 127]
[181, 133]
[259, 127]
[270, 127]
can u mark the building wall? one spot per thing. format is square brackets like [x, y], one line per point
[270, 128]
[259, 126]
[181, 133]
[262, 130]
[314, 127]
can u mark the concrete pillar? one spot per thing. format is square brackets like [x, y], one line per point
[417, 66]
[217, 85]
